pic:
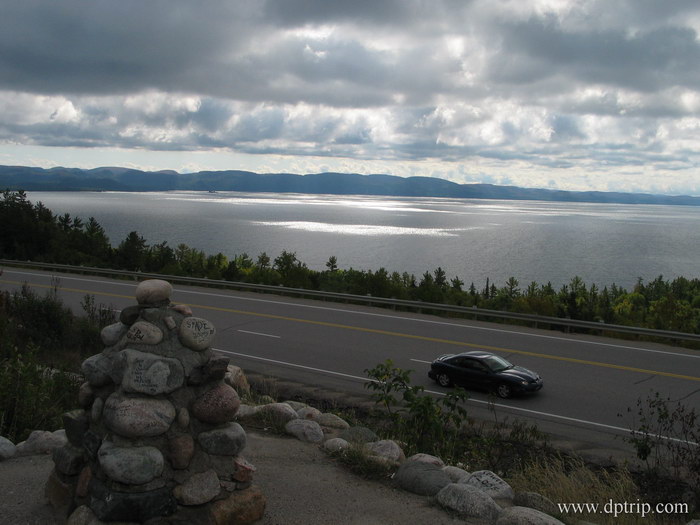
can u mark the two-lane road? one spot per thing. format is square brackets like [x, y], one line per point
[589, 381]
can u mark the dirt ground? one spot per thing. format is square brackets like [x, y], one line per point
[302, 485]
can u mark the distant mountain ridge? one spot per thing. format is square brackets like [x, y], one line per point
[126, 179]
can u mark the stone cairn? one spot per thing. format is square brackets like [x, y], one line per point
[155, 441]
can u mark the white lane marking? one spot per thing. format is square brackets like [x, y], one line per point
[292, 364]
[261, 334]
[421, 361]
[489, 403]
[371, 314]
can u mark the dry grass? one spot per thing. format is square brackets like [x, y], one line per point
[571, 481]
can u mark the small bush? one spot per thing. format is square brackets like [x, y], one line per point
[420, 421]
[33, 397]
[665, 436]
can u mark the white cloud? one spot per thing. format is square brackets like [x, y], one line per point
[562, 93]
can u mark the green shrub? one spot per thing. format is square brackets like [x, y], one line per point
[32, 396]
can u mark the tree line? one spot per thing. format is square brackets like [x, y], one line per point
[30, 231]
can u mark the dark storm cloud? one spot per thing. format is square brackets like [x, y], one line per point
[104, 46]
[645, 61]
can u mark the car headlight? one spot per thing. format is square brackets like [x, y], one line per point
[523, 382]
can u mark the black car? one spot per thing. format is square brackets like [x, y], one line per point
[483, 370]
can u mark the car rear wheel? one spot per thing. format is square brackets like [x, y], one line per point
[444, 380]
[504, 391]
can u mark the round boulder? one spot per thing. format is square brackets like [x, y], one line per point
[130, 465]
[468, 502]
[154, 292]
[421, 478]
[217, 405]
[304, 430]
[138, 416]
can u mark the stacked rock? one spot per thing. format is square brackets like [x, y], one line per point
[155, 439]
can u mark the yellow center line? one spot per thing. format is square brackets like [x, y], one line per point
[449, 342]
[394, 334]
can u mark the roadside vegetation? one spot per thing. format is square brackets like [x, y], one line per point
[32, 232]
[665, 435]
[41, 347]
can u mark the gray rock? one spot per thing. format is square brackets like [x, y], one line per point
[76, 423]
[7, 448]
[196, 334]
[427, 458]
[386, 449]
[525, 516]
[245, 411]
[41, 442]
[130, 465]
[468, 502]
[456, 474]
[296, 405]
[69, 460]
[183, 418]
[113, 333]
[491, 484]
[96, 370]
[278, 414]
[421, 478]
[308, 412]
[144, 333]
[198, 489]
[96, 411]
[83, 515]
[130, 314]
[150, 374]
[335, 445]
[359, 435]
[138, 416]
[226, 441]
[109, 505]
[153, 292]
[85, 395]
[332, 421]
[304, 430]
[535, 501]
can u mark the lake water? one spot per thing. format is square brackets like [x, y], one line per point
[470, 238]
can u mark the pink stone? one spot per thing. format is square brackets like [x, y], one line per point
[181, 451]
[244, 470]
[81, 489]
[217, 405]
[183, 309]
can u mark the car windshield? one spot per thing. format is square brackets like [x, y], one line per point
[497, 363]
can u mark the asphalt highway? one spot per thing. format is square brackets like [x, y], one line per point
[590, 383]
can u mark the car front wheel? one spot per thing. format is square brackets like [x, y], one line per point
[504, 391]
[444, 380]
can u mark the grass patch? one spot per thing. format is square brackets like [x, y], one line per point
[568, 480]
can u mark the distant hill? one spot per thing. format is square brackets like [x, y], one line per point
[125, 179]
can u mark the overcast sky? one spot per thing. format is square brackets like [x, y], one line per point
[569, 94]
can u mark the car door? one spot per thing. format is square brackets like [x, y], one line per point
[479, 374]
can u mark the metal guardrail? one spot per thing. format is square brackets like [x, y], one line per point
[471, 312]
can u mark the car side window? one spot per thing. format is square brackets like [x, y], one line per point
[476, 365]
[457, 361]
